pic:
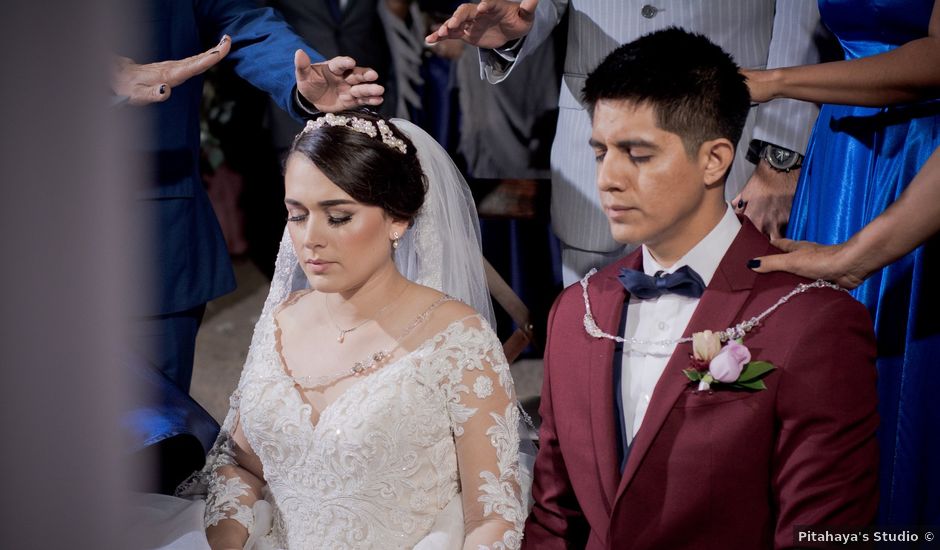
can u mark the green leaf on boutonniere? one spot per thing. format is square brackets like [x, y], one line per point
[754, 371]
[693, 374]
[752, 385]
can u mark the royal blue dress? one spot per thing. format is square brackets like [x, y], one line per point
[859, 160]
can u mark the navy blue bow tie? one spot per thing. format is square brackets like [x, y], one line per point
[684, 282]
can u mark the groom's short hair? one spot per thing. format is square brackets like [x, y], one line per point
[693, 86]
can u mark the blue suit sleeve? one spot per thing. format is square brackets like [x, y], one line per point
[263, 45]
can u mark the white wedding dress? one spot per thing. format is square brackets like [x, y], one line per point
[379, 468]
[420, 453]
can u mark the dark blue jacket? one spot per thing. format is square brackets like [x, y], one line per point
[189, 264]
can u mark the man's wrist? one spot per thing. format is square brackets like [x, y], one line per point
[779, 158]
[510, 50]
[512, 45]
[302, 106]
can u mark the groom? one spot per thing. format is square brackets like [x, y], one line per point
[638, 454]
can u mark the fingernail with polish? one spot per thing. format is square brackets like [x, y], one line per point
[753, 263]
[162, 89]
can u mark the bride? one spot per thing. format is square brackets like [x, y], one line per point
[374, 410]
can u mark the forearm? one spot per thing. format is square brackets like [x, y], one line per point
[263, 45]
[907, 223]
[908, 73]
[229, 516]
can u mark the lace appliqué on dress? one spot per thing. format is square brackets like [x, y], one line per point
[223, 501]
[483, 387]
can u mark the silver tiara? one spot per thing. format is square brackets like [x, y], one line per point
[361, 125]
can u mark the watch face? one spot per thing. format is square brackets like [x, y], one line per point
[780, 158]
[781, 155]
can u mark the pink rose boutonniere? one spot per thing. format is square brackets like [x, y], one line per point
[729, 365]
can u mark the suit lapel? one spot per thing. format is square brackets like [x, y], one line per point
[718, 309]
[607, 297]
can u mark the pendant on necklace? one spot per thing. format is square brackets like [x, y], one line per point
[342, 336]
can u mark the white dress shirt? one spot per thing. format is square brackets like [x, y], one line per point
[664, 318]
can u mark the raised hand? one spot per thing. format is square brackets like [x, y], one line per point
[153, 82]
[336, 84]
[489, 24]
[767, 197]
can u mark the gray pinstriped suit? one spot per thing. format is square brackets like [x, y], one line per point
[758, 33]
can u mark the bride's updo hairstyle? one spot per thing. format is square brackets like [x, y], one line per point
[368, 158]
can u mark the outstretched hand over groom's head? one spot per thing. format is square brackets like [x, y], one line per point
[489, 24]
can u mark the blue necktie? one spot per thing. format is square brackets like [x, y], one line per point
[684, 282]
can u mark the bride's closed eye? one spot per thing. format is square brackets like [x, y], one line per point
[338, 220]
[332, 220]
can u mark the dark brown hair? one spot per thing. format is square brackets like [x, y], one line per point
[692, 85]
[364, 167]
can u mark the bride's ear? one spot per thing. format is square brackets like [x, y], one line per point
[397, 227]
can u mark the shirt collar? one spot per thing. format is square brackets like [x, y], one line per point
[704, 256]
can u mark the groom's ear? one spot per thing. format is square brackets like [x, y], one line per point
[715, 158]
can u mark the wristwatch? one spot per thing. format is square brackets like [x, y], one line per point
[779, 158]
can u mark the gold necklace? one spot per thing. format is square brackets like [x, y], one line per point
[344, 331]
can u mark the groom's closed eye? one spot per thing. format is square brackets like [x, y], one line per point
[599, 150]
[639, 151]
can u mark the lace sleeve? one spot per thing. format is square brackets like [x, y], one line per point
[230, 489]
[485, 420]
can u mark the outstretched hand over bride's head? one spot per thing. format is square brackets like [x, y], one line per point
[337, 83]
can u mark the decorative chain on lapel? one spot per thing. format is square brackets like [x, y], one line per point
[730, 333]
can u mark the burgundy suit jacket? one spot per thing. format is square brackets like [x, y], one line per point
[710, 470]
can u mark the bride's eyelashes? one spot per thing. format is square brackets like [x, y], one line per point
[331, 219]
[338, 220]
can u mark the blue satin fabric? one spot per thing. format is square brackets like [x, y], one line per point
[859, 160]
[162, 411]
